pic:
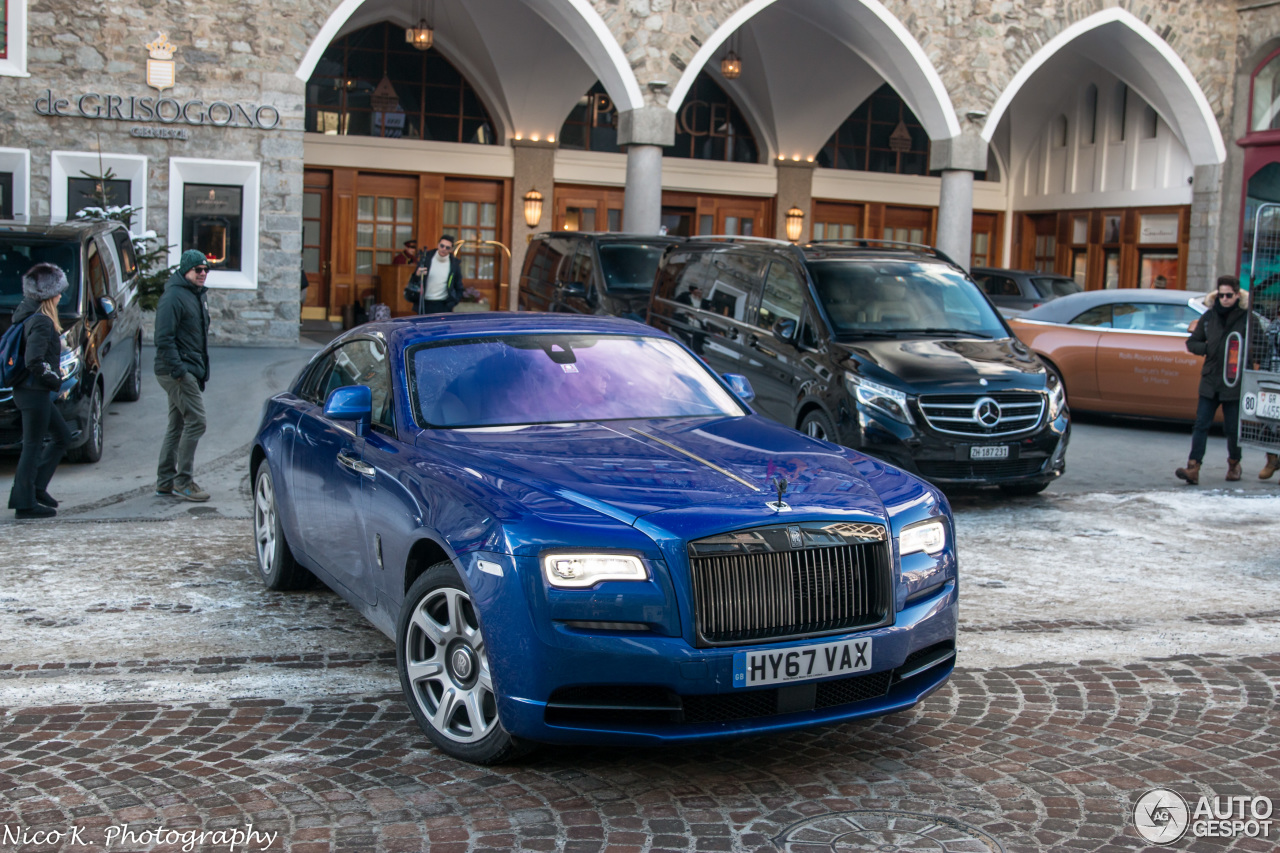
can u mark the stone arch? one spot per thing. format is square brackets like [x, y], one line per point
[577, 22]
[888, 47]
[1133, 52]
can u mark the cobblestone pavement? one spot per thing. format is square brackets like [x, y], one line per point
[148, 680]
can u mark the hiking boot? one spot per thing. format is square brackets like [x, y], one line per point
[1272, 466]
[191, 492]
[1191, 473]
[36, 511]
[1233, 470]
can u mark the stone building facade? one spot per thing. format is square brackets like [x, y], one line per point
[988, 86]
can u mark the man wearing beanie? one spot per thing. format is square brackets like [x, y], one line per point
[182, 368]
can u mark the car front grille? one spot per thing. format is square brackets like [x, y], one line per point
[981, 471]
[803, 580]
[983, 415]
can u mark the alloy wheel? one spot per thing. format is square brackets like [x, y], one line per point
[447, 666]
[264, 521]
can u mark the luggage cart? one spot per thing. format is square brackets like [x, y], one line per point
[1260, 371]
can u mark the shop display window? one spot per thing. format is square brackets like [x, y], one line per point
[89, 192]
[212, 223]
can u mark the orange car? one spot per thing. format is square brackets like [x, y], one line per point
[1120, 351]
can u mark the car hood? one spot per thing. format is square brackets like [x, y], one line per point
[703, 468]
[941, 364]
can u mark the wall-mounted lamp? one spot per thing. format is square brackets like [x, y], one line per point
[532, 208]
[795, 224]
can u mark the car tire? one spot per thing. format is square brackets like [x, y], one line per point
[276, 566]
[444, 670]
[131, 391]
[91, 450]
[817, 425]
[1023, 489]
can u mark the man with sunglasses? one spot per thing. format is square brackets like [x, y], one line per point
[182, 369]
[436, 285]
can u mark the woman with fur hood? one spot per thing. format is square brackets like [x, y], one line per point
[1228, 312]
[42, 287]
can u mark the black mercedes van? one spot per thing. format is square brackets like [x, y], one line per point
[888, 348]
[581, 272]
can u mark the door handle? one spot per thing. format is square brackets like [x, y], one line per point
[755, 344]
[362, 468]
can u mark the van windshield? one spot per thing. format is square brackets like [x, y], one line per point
[870, 298]
[630, 266]
[19, 253]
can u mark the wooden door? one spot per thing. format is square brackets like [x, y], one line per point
[317, 203]
[473, 211]
[832, 221]
[986, 240]
[386, 209]
[587, 208]
[908, 224]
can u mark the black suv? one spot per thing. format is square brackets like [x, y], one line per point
[886, 348]
[586, 273]
[100, 317]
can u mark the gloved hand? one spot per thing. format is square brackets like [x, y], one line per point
[45, 376]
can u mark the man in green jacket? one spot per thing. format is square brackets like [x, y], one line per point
[182, 369]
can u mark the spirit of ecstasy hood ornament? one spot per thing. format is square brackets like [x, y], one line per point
[781, 485]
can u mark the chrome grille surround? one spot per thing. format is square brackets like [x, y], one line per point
[959, 414]
[755, 586]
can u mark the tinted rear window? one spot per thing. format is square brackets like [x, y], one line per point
[18, 253]
[629, 266]
[1052, 288]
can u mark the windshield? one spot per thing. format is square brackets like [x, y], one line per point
[630, 266]
[539, 379]
[19, 253]
[865, 299]
[1052, 288]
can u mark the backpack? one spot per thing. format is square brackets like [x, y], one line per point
[13, 367]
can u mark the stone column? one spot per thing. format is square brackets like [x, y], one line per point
[795, 189]
[1204, 262]
[958, 158]
[535, 164]
[644, 132]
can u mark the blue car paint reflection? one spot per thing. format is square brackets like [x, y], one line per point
[366, 507]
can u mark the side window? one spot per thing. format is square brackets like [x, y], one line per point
[781, 298]
[1099, 315]
[583, 265]
[1153, 317]
[364, 362]
[544, 260]
[110, 263]
[97, 273]
[809, 332]
[316, 379]
[1009, 287]
[124, 250]
[988, 284]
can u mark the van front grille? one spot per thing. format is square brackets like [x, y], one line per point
[983, 415]
[805, 580]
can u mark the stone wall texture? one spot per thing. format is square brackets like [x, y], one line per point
[244, 52]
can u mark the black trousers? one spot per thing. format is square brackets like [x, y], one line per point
[39, 459]
[435, 306]
[1205, 410]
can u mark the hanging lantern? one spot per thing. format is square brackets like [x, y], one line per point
[731, 66]
[532, 208]
[421, 36]
[795, 224]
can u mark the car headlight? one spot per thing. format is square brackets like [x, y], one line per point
[68, 364]
[578, 571]
[930, 537]
[1057, 396]
[891, 401]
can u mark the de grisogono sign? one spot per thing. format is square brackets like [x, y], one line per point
[161, 74]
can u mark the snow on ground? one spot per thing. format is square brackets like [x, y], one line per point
[1114, 577]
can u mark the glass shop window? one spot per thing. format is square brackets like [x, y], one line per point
[89, 192]
[212, 223]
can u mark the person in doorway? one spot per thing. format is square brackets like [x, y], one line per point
[441, 277]
[1161, 283]
[182, 369]
[407, 255]
[34, 393]
[1228, 312]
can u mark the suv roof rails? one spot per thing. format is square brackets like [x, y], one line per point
[868, 243]
[744, 238]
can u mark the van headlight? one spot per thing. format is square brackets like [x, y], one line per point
[1057, 396]
[928, 536]
[579, 571]
[891, 401]
[68, 364]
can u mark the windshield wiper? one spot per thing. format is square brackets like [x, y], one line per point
[868, 333]
[960, 333]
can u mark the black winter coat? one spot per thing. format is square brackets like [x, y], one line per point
[41, 347]
[182, 330]
[1209, 339]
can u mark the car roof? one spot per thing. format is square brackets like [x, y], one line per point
[1035, 273]
[1067, 307]
[72, 229]
[432, 328]
[612, 236]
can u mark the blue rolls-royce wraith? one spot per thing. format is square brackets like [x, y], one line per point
[575, 532]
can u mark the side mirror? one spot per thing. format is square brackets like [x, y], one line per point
[573, 288]
[785, 330]
[106, 307]
[352, 403]
[740, 386]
